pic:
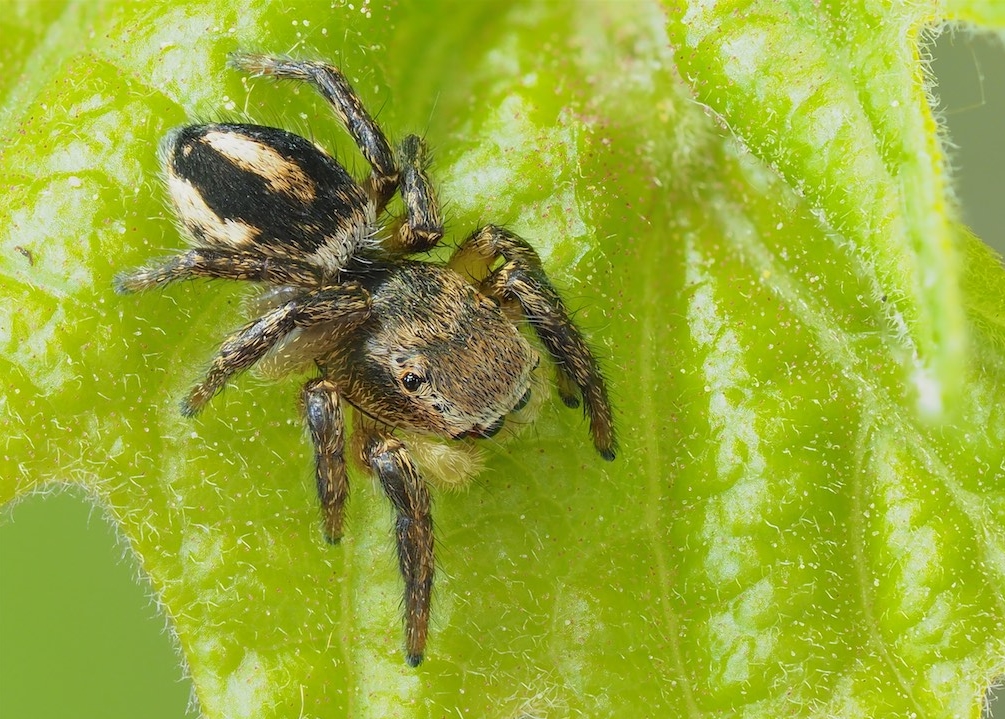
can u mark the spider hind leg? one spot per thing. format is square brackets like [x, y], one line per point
[329, 81]
[422, 227]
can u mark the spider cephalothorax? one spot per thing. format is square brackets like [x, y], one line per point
[412, 347]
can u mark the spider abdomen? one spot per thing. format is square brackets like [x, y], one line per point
[267, 191]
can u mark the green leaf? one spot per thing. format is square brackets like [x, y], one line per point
[807, 517]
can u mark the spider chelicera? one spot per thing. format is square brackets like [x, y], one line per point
[412, 347]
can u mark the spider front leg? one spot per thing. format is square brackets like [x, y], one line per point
[327, 427]
[334, 87]
[521, 278]
[388, 458]
[343, 307]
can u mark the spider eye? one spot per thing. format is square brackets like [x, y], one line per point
[412, 381]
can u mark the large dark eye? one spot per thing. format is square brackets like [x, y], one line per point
[411, 381]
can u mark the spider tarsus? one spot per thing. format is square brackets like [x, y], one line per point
[192, 405]
[129, 283]
[121, 285]
[249, 62]
[332, 540]
[569, 400]
[568, 390]
[423, 238]
[413, 660]
[607, 453]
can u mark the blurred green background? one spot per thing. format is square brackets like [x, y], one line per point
[80, 636]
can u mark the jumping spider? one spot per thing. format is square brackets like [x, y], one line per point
[412, 347]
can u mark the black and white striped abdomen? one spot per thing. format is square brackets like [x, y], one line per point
[265, 191]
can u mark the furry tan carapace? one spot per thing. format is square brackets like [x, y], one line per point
[414, 348]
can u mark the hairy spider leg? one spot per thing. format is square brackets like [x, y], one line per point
[521, 277]
[346, 306]
[349, 109]
[422, 227]
[327, 427]
[220, 264]
[391, 462]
